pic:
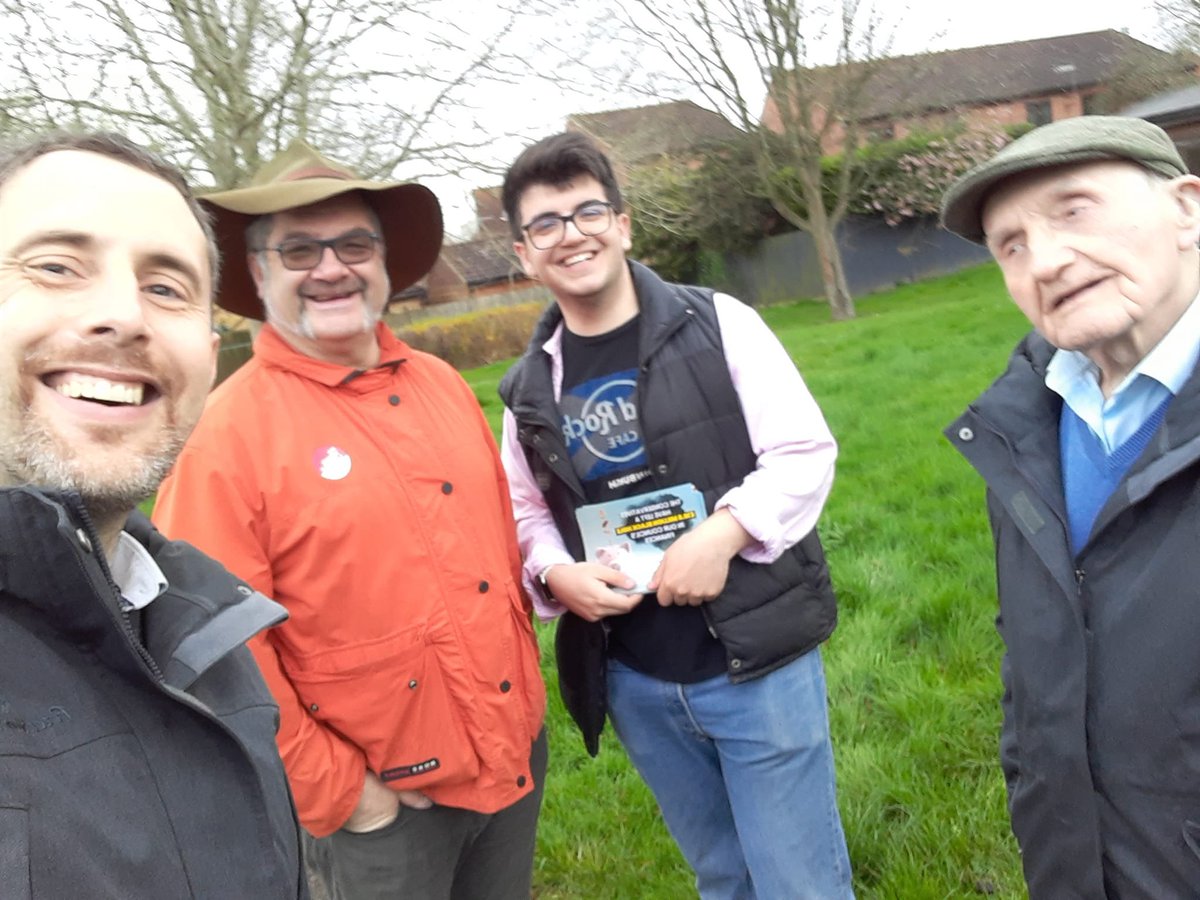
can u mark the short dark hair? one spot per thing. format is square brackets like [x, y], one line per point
[17, 156]
[556, 160]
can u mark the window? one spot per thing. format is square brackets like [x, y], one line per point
[1037, 112]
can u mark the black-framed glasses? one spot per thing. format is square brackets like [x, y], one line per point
[352, 247]
[591, 217]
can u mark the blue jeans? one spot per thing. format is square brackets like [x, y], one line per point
[743, 774]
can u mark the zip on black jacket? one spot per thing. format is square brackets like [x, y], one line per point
[137, 753]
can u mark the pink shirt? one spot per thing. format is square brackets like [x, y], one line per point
[778, 503]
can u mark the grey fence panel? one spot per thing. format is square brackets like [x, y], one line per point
[877, 256]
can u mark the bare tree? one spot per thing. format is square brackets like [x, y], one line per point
[1179, 23]
[1144, 70]
[221, 85]
[735, 53]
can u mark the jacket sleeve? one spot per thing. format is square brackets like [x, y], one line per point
[205, 502]
[1009, 751]
[780, 501]
[1009, 755]
[512, 543]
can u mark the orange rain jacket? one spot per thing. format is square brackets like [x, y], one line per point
[372, 504]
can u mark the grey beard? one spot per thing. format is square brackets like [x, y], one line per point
[303, 325]
[34, 457]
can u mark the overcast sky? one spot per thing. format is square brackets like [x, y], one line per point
[539, 107]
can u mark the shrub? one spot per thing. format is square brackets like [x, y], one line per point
[910, 176]
[476, 338]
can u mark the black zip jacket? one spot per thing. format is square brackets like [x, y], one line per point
[1101, 739]
[133, 767]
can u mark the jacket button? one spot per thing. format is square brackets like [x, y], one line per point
[661, 468]
[84, 541]
[412, 684]
[553, 457]
[483, 587]
[520, 781]
[394, 400]
[735, 664]
[312, 707]
[966, 434]
[447, 487]
[505, 687]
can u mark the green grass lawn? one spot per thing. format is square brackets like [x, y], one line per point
[913, 667]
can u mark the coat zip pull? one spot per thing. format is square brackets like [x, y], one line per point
[121, 618]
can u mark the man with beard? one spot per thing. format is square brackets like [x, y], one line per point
[1090, 446]
[136, 736]
[356, 481]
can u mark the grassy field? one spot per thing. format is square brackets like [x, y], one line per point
[913, 666]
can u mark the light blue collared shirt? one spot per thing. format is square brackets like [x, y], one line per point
[1160, 374]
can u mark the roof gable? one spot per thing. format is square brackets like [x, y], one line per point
[664, 129]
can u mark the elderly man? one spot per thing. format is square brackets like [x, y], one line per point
[137, 748]
[1090, 447]
[356, 481]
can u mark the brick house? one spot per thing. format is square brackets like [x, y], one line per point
[1036, 81]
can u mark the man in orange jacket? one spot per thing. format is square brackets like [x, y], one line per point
[356, 481]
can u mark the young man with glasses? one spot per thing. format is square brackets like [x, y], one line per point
[356, 481]
[712, 676]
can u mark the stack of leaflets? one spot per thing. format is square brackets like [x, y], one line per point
[632, 534]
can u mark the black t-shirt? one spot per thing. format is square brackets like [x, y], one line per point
[598, 414]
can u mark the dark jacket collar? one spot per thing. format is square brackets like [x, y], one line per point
[1023, 408]
[50, 560]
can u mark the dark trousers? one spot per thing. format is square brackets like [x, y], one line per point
[445, 853]
[318, 866]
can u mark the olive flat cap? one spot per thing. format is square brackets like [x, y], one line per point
[1081, 139]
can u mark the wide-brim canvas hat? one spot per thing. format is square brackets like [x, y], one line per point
[410, 219]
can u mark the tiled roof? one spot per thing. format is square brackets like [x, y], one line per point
[662, 129]
[482, 261]
[978, 76]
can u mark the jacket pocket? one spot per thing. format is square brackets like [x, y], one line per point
[14, 853]
[392, 700]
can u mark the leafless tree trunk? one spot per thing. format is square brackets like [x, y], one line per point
[736, 52]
